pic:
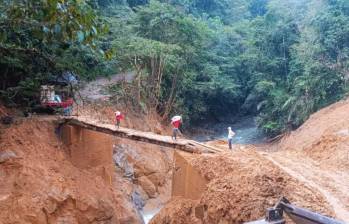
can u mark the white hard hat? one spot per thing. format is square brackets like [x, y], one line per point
[176, 118]
[117, 113]
[229, 128]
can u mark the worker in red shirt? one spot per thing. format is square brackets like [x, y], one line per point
[118, 118]
[176, 122]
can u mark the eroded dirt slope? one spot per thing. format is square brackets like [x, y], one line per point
[40, 185]
[318, 155]
[324, 137]
[242, 184]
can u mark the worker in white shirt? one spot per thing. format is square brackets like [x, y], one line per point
[231, 134]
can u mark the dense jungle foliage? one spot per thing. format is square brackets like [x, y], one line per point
[280, 60]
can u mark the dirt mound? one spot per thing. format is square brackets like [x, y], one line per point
[40, 185]
[332, 151]
[324, 137]
[318, 154]
[241, 186]
[178, 211]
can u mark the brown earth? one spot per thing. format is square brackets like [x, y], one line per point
[310, 167]
[241, 185]
[39, 183]
[42, 181]
[68, 184]
[318, 154]
[324, 138]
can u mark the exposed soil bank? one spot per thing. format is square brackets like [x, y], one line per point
[318, 154]
[324, 138]
[40, 184]
[143, 171]
[102, 179]
[241, 185]
[310, 167]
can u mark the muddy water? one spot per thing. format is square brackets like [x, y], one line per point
[245, 128]
[147, 216]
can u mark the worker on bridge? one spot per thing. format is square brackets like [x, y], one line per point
[231, 134]
[176, 122]
[118, 118]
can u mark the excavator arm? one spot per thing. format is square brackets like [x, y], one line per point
[298, 215]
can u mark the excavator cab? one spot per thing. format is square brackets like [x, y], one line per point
[298, 215]
[56, 96]
[56, 99]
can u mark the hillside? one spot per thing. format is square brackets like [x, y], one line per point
[71, 181]
[241, 186]
[310, 167]
[324, 137]
[318, 154]
[275, 72]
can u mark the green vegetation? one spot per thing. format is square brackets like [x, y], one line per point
[41, 39]
[280, 60]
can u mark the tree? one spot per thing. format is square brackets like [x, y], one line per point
[34, 35]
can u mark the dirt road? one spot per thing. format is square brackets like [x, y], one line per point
[97, 89]
[333, 185]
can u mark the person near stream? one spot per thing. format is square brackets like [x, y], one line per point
[231, 134]
[176, 122]
[118, 118]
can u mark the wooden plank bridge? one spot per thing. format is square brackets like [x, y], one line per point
[148, 137]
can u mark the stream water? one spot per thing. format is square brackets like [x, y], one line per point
[245, 128]
[147, 216]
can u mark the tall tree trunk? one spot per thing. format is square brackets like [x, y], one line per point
[171, 98]
[138, 78]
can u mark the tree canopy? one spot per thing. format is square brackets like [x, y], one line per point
[279, 60]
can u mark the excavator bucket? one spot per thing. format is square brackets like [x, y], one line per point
[298, 215]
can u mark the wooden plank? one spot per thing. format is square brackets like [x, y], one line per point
[166, 141]
[209, 147]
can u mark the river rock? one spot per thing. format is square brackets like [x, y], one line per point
[147, 186]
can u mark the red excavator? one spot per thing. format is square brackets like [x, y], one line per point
[56, 99]
[298, 215]
[57, 95]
